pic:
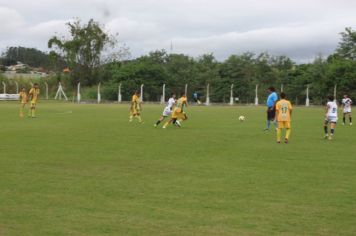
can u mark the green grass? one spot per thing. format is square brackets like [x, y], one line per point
[90, 172]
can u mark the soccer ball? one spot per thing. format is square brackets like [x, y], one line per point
[241, 118]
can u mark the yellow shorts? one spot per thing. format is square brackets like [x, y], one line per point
[135, 112]
[284, 124]
[178, 114]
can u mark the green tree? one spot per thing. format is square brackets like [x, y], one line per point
[347, 45]
[29, 56]
[83, 51]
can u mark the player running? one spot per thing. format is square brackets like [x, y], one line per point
[23, 100]
[330, 117]
[178, 112]
[136, 107]
[33, 94]
[168, 109]
[283, 114]
[346, 107]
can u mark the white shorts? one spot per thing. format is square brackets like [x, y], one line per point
[331, 119]
[167, 111]
[347, 110]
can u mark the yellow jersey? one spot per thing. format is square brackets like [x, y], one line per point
[34, 94]
[135, 101]
[283, 108]
[181, 102]
[23, 97]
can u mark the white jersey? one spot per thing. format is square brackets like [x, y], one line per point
[332, 112]
[346, 102]
[170, 103]
[169, 107]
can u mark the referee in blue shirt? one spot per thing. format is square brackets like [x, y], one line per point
[271, 107]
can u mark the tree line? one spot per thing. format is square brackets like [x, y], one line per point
[92, 56]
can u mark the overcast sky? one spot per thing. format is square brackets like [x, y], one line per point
[299, 29]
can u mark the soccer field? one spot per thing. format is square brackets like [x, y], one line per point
[85, 170]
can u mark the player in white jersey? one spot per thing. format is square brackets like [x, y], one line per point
[346, 105]
[330, 117]
[168, 109]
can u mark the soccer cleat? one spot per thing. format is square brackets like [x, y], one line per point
[343, 123]
[286, 141]
[155, 125]
[350, 124]
[164, 127]
[266, 130]
[278, 142]
[331, 137]
[178, 124]
[326, 136]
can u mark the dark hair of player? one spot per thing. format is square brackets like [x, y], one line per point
[272, 89]
[331, 97]
[35, 84]
[182, 93]
[172, 94]
[283, 95]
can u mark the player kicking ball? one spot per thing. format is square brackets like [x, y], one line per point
[168, 109]
[346, 105]
[283, 114]
[330, 117]
[136, 108]
[178, 114]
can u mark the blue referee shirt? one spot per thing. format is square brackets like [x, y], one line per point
[271, 100]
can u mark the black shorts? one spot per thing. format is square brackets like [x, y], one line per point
[271, 113]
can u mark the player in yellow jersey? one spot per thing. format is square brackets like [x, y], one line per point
[33, 95]
[283, 114]
[135, 109]
[23, 100]
[178, 114]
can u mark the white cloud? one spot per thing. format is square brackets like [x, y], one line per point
[45, 30]
[130, 30]
[10, 20]
[299, 29]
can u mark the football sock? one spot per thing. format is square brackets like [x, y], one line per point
[158, 122]
[279, 133]
[131, 118]
[275, 124]
[343, 120]
[139, 119]
[288, 133]
[174, 121]
[166, 124]
[326, 130]
[332, 131]
[350, 119]
[268, 124]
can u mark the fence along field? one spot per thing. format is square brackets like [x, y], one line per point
[77, 96]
